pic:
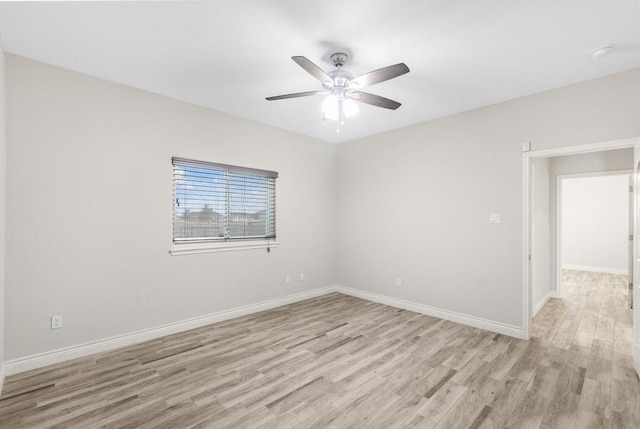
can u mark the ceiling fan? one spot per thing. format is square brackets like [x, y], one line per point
[342, 88]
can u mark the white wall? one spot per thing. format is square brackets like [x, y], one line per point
[89, 210]
[3, 181]
[414, 203]
[595, 223]
[541, 281]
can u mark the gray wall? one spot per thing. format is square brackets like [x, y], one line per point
[414, 203]
[89, 210]
[541, 281]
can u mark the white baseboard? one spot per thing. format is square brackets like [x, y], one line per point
[592, 269]
[60, 355]
[543, 301]
[476, 322]
[56, 356]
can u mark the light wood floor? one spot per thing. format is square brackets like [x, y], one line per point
[337, 361]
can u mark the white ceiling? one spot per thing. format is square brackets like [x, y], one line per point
[230, 55]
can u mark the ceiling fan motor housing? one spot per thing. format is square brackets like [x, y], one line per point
[340, 78]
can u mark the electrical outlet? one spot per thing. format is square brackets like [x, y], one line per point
[398, 282]
[287, 279]
[56, 322]
[301, 277]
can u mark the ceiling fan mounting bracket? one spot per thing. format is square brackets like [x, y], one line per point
[339, 59]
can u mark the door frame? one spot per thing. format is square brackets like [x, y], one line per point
[527, 157]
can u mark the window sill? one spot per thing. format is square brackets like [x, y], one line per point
[222, 246]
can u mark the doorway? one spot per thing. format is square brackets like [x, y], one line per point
[594, 225]
[564, 162]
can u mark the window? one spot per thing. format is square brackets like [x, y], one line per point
[217, 203]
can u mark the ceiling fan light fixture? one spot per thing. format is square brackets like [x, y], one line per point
[331, 108]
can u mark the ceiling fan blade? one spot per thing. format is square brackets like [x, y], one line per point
[374, 100]
[294, 95]
[379, 75]
[312, 69]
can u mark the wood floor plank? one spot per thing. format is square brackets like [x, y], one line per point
[530, 411]
[587, 420]
[442, 401]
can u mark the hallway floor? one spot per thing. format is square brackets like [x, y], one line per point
[592, 328]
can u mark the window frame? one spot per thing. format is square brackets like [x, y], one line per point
[187, 246]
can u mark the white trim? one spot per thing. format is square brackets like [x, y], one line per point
[592, 269]
[543, 301]
[527, 157]
[623, 172]
[582, 148]
[476, 322]
[634, 280]
[559, 226]
[221, 246]
[56, 356]
[526, 245]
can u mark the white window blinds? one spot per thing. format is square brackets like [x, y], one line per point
[217, 202]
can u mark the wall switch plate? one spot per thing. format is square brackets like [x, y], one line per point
[495, 218]
[56, 322]
[398, 282]
[287, 279]
[301, 277]
[526, 146]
